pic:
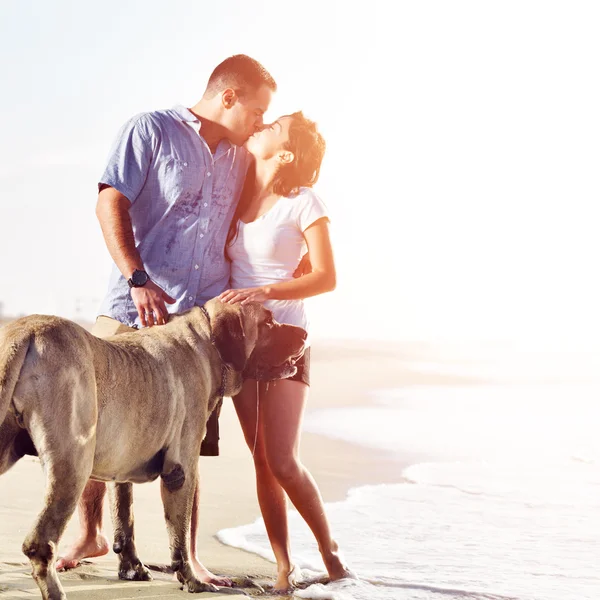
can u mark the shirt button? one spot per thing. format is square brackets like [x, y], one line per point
[201, 235]
[185, 164]
[196, 267]
[208, 174]
[190, 298]
[206, 204]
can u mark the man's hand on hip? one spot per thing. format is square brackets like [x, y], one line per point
[150, 302]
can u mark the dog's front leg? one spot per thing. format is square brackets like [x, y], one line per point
[177, 499]
[130, 566]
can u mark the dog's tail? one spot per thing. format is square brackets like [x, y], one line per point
[14, 343]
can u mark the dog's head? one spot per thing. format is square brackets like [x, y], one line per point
[252, 343]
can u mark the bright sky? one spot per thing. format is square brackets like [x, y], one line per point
[463, 149]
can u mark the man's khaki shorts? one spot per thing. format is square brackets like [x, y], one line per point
[106, 326]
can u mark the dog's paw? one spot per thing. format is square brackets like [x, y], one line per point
[195, 586]
[134, 572]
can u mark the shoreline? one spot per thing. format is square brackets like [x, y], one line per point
[343, 375]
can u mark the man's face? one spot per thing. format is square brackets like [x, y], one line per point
[246, 115]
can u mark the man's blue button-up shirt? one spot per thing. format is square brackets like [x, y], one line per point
[182, 200]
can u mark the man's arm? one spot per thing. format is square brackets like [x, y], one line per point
[112, 210]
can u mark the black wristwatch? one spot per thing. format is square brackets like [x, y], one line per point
[138, 279]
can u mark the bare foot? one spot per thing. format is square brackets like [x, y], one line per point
[286, 580]
[83, 548]
[338, 570]
[344, 573]
[336, 567]
[206, 576]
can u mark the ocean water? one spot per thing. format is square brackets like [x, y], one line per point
[504, 502]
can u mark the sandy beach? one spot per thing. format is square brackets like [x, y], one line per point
[343, 374]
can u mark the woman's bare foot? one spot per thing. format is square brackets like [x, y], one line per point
[207, 577]
[83, 548]
[286, 580]
[335, 565]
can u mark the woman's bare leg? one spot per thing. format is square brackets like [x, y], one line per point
[271, 496]
[282, 406]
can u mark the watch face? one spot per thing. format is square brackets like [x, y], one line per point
[139, 278]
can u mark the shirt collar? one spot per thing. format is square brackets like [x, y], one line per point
[186, 115]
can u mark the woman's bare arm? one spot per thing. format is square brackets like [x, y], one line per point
[322, 278]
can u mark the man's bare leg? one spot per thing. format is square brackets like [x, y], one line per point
[91, 541]
[203, 573]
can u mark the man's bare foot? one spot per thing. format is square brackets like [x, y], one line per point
[286, 580]
[207, 577]
[83, 548]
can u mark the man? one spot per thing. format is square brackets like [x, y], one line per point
[165, 203]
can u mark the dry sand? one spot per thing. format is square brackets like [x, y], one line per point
[343, 374]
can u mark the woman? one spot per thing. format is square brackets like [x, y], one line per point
[278, 217]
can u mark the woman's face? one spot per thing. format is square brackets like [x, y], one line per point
[270, 140]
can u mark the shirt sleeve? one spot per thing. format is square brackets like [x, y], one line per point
[310, 209]
[129, 159]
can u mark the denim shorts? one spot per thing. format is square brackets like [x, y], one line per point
[303, 366]
[210, 444]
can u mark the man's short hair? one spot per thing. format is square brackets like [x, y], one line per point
[240, 73]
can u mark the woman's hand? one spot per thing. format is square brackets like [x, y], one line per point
[254, 294]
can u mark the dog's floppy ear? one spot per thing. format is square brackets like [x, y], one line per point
[228, 336]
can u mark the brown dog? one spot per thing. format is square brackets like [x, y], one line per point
[127, 409]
